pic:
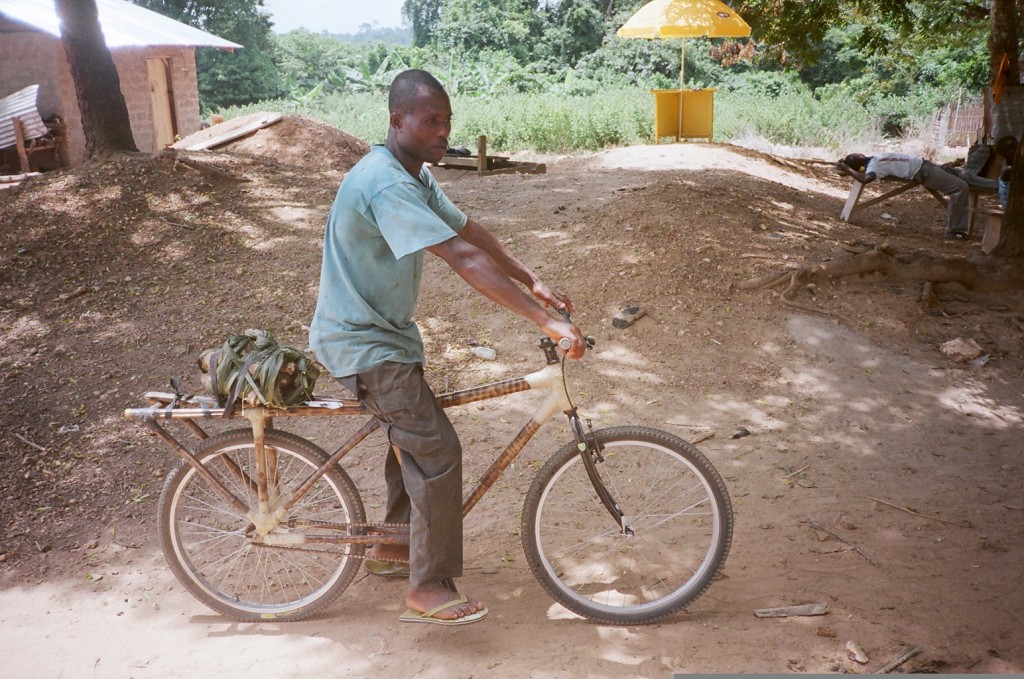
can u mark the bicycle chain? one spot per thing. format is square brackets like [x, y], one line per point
[313, 522]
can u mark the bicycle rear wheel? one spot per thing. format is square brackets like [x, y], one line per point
[675, 503]
[209, 545]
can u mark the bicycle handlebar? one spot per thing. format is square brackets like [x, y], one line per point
[565, 344]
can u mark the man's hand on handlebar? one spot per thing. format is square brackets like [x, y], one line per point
[559, 329]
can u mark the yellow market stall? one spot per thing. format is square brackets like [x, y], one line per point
[683, 113]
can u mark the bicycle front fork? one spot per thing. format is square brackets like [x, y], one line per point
[590, 453]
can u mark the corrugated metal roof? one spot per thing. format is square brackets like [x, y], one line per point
[123, 24]
[21, 105]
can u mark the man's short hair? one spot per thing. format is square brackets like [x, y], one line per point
[856, 161]
[1007, 147]
[406, 85]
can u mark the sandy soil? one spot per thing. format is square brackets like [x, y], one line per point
[114, 278]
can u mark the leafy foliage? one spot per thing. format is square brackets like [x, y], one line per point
[548, 74]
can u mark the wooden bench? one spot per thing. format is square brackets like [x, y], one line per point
[22, 128]
[853, 203]
[487, 165]
[993, 225]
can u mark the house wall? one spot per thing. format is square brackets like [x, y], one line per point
[29, 57]
[131, 69]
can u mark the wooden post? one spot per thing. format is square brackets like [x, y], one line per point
[19, 136]
[481, 153]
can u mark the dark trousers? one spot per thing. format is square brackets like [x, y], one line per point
[955, 190]
[425, 490]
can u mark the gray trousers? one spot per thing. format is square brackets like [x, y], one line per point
[425, 490]
[954, 189]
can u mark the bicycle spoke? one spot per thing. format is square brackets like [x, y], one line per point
[210, 546]
[675, 508]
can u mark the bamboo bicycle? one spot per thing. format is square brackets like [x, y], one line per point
[624, 525]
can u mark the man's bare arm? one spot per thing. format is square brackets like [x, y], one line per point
[859, 176]
[477, 235]
[477, 268]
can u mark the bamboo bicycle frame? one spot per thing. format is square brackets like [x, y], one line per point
[271, 512]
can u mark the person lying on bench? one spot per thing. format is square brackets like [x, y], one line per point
[867, 169]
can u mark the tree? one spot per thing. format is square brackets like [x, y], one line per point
[1004, 48]
[105, 119]
[1003, 40]
[229, 78]
[472, 26]
[797, 29]
[424, 16]
[576, 28]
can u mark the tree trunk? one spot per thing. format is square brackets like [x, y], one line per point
[1011, 235]
[97, 86]
[1002, 40]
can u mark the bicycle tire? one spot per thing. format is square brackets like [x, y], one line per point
[206, 541]
[674, 500]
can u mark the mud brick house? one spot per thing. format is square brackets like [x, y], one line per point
[154, 56]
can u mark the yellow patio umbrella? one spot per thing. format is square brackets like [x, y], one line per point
[685, 19]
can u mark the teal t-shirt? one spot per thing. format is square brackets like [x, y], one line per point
[381, 221]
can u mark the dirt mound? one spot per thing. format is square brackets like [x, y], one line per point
[296, 140]
[867, 471]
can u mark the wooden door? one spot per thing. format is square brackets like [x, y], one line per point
[161, 98]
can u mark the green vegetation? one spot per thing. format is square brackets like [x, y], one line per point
[552, 76]
[544, 122]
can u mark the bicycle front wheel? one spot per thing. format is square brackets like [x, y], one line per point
[214, 550]
[677, 510]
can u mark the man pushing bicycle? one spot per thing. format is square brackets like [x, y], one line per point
[388, 211]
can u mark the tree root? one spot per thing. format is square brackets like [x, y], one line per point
[983, 274]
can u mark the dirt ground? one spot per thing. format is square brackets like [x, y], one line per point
[879, 477]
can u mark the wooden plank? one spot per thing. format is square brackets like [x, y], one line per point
[904, 186]
[851, 201]
[467, 162]
[519, 168]
[227, 131]
[19, 136]
[15, 178]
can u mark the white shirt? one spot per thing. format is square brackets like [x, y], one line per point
[898, 165]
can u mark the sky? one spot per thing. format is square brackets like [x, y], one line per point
[333, 16]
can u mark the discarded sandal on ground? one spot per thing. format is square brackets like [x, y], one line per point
[415, 616]
[386, 569]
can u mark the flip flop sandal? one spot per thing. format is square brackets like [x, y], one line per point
[415, 616]
[386, 569]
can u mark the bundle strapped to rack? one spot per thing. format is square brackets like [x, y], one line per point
[253, 368]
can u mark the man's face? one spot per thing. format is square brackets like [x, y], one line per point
[422, 130]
